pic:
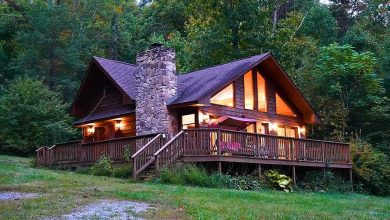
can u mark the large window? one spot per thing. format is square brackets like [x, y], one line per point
[224, 97]
[261, 93]
[249, 97]
[282, 108]
[188, 121]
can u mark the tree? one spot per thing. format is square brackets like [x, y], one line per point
[31, 115]
[347, 77]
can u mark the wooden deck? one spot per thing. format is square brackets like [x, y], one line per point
[204, 145]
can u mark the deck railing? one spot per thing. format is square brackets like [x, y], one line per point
[145, 156]
[226, 143]
[171, 151]
[86, 153]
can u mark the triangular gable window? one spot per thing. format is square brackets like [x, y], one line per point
[224, 97]
[282, 108]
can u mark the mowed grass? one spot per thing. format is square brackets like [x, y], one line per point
[63, 191]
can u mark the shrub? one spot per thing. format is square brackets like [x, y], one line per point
[278, 181]
[33, 162]
[127, 152]
[122, 171]
[331, 182]
[192, 175]
[245, 183]
[83, 170]
[371, 168]
[102, 167]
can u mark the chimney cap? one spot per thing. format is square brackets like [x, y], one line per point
[155, 45]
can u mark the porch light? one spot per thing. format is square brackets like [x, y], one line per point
[118, 124]
[302, 130]
[91, 129]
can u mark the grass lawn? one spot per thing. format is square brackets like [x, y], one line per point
[63, 191]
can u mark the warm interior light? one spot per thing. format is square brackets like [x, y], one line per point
[204, 117]
[272, 126]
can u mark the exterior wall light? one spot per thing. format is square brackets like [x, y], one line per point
[118, 124]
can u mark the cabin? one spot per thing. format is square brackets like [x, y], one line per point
[246, 112]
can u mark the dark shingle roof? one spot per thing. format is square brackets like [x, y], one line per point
[191, 86]
[122, 74]
[198, 84]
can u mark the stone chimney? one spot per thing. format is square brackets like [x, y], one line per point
[156, 83]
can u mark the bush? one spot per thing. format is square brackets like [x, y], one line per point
[83, 170]
[102, 167]
[123, 171]
[331, 182]
[278, 181]
[33, 162]
[371, 168]
[185, 175]
[192, 175]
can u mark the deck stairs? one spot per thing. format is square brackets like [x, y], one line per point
[156, 154]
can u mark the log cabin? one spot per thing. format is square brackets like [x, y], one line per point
[247, 111]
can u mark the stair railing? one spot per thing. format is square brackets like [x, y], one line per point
[172, 150]
[144, 156]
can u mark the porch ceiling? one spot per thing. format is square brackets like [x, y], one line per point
[104, 115]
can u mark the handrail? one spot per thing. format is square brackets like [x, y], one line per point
[144, 156]
[146, 145]
[119, 139]
[266, 135]
[169, 142]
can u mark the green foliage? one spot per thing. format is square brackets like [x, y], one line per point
[33, 162]
[279, 181]
[330, 182]
[127, 152]
[192, 175]
[122, 171]
[370, 167]
[31, 115]
[102, 167]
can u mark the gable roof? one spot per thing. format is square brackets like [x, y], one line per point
[121, 73]
[194, 86]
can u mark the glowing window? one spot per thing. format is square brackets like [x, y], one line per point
[251, 128]
[282, 108]
[261, 94]
[248, 91]
[224, 97]
[188, 121]
[281, 130]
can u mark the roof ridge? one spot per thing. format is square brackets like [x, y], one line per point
[117, 61]
[229, 62]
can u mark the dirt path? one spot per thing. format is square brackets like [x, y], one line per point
[17, 195]
[107, 209]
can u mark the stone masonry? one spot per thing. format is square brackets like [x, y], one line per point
[156, 83]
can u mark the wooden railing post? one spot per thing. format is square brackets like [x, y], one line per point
[323, 152]
[134, 168]
[156, 165]
[257, 146]
[219, 142]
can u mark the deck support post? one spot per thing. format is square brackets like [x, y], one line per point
[324, 172]
[220, 167]
[259, 171]
[293, 174]
[350, 179]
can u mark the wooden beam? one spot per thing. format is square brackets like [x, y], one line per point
[243, 159]
[350, 179]
[294, 176]
[259, 170]
[220, 167]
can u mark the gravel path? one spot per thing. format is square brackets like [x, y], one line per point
[107, 209]
[16, 195]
